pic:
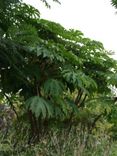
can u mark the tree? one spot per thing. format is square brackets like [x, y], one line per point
[56, 71]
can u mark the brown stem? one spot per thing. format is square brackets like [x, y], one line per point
[94, 122]
[92, 127]
[34, 129]
[77, 100]
[31, 126]
[79, 96]
[82, 102]
[38, 90]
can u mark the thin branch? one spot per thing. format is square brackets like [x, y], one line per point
[94, 122]
[79, 96]
[11, 104]
[83, 101]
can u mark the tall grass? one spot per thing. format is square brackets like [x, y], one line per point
[60, 143]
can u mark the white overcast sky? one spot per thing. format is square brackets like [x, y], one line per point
[95, 18]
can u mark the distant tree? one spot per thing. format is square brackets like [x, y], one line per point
[47, 4]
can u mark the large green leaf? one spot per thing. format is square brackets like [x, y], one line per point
[53, 87]
[40, 107]
[25, 34]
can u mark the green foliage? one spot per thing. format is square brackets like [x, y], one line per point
[24, 34]
[39, 106]
[79, 79]
[47, 60]
[55, 143]
[55, 78]
[63, 56]
[114, 3]
[47, 4]
[53, 87]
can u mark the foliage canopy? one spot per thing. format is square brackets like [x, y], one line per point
[42, 58]
[60, 74]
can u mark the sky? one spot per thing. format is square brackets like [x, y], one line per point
[97, 19]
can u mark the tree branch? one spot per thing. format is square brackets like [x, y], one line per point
[79, 96]
[11, 104]
[82, 102]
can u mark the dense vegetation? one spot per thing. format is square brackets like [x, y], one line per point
[56, 88]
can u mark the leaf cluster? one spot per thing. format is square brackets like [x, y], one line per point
[48, 63]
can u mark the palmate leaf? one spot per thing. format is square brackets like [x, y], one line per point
[60, 32]
[72, 105]
[25, 34]
[53, 87]
[79, 79]
[40, 107]
[24, 12]
[72, 77]
[89, 83]
[61, 107]
[48, 53]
